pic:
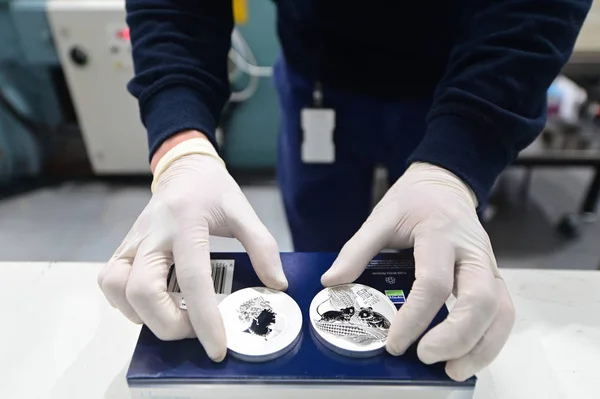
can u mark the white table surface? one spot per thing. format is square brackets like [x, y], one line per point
[60, 339]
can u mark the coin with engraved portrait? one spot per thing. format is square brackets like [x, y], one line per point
[261, 324]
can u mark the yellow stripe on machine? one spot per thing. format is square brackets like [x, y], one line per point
[240, 11]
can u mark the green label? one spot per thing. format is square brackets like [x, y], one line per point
[394, 292]
[396, 296]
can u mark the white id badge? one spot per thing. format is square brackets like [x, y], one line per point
[318, 125]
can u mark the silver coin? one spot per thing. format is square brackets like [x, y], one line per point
[261, 324]
[352, 319]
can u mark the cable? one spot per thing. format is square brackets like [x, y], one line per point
[243, 58]
[248, 91]
[240, 45]
[250, 69]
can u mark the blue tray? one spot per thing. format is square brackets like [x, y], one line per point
[157, 361]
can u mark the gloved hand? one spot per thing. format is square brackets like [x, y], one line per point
[432, 210]
[193, 197]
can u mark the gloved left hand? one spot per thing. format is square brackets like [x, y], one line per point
[432, 210]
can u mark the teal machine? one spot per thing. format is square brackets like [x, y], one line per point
[26, 83]
[51, 57]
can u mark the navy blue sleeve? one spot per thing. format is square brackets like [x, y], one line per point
[491, 102]
[180, 50]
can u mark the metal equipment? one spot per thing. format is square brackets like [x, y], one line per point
[92, 42]
[84, 48]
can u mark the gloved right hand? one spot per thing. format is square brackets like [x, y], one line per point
[193, 197]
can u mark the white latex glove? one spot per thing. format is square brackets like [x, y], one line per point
[432, 210]
[193, 197]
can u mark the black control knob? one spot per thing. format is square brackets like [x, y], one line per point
[79, 56]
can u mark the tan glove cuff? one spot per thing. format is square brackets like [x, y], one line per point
[446, 176]
[192, 146]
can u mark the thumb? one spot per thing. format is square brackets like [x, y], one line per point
[260, 245]
[368, 241]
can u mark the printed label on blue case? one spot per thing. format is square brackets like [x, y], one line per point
[396, 296]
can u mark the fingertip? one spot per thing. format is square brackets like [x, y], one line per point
[220, 358]
[332, 277]
[278, 277]
[266, 261]
[425, 354]
[457, 373]
[432, 348]
[394, 350]
[329, 281]
[111, 303]
[325, 280]
[134, 318]
[217, 354]
[283, 285]
[273, 278]
[214, 340]
[278, 284]
[347, 267]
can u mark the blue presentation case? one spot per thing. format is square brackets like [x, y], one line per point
[181, 369]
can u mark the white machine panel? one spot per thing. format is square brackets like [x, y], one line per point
[589, 37]
[92, 39]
